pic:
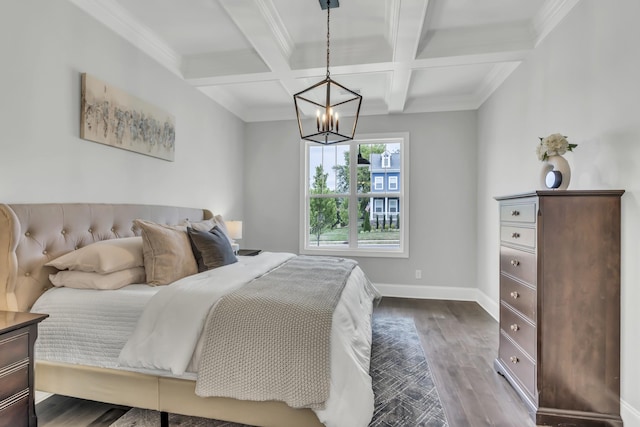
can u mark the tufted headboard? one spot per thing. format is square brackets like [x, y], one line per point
[33, 234]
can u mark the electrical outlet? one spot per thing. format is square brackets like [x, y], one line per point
[418, 274]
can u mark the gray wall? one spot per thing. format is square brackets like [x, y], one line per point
[442, 197]
[582, 81]
[45, 47]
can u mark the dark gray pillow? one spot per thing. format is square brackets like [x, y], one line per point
[210, 248]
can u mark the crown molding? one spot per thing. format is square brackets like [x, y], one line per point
[116, 18]
[494, 80]
[550, 15]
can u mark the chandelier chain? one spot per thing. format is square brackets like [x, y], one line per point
[328, 12]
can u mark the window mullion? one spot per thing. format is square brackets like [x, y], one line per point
[353, 197]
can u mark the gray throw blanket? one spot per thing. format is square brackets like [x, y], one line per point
[270, 339]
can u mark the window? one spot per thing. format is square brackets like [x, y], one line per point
[386, 160]
[393, 205]
[378, 183]
[393, 183]
[346, 208]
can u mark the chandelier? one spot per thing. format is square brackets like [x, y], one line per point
[327, 107]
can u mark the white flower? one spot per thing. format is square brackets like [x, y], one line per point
[554, 144]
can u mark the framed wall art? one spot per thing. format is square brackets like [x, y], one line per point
[113, 117]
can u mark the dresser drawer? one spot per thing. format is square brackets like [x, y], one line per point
[14, 412]
[518, 363]
[522, 236]
[519, 329]
[518, 212]
[518, 296]
[13, 348]
[518, 264]
[14, 380]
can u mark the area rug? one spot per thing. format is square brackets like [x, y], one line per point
[405, 394]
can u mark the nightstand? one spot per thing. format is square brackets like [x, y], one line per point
[18, 333]
[249, 252]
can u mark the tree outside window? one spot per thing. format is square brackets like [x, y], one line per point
[341, 217]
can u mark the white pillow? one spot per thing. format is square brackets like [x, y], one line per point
[105, 256]
[91, 280]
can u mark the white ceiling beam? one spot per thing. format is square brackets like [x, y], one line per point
[380, 67]
[405, 41]
[470, 59]
[267, 35]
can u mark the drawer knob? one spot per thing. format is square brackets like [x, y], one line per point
[514, 359]
[515, 295]
[515, 235]
[515, 327]
[515, 213]
[515, 262]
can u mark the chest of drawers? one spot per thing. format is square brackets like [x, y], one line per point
[560, 304]
[18, 332]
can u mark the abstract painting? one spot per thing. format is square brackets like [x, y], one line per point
[111, 116]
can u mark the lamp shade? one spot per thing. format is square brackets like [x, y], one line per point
[235, 229]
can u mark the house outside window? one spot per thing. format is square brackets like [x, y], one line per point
[351, 209]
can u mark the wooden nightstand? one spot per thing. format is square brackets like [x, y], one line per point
[18, 333]
[249, 252]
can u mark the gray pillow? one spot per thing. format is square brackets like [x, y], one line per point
[211, 248]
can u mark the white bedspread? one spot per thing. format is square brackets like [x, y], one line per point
[170, 326]
[88, 326]
[161, 327]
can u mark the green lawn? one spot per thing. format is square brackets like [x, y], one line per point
[342, 235]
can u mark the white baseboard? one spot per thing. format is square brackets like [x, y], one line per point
[630, 415]
[441, 292]
[490, 305]
[42, 395]
[427, 292]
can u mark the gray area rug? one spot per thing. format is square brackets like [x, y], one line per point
[405, 394]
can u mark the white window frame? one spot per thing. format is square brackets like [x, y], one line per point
[386, 160]
[393, 183]
[378, 183]
[402, 251]
[377, 202]
[394, 202]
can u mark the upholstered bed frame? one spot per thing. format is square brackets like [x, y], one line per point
[33, 234]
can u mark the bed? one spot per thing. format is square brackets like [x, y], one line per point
[31, 235]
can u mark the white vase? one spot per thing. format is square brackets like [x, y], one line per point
[556, 163]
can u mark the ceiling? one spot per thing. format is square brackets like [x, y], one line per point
[403, 56]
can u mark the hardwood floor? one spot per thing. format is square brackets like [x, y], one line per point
[460, 341]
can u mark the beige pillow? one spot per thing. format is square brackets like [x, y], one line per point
[204, 225]
[167, 253]
[91, 280]
[105, 256]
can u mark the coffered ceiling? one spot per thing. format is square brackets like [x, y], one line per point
[403, 56]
